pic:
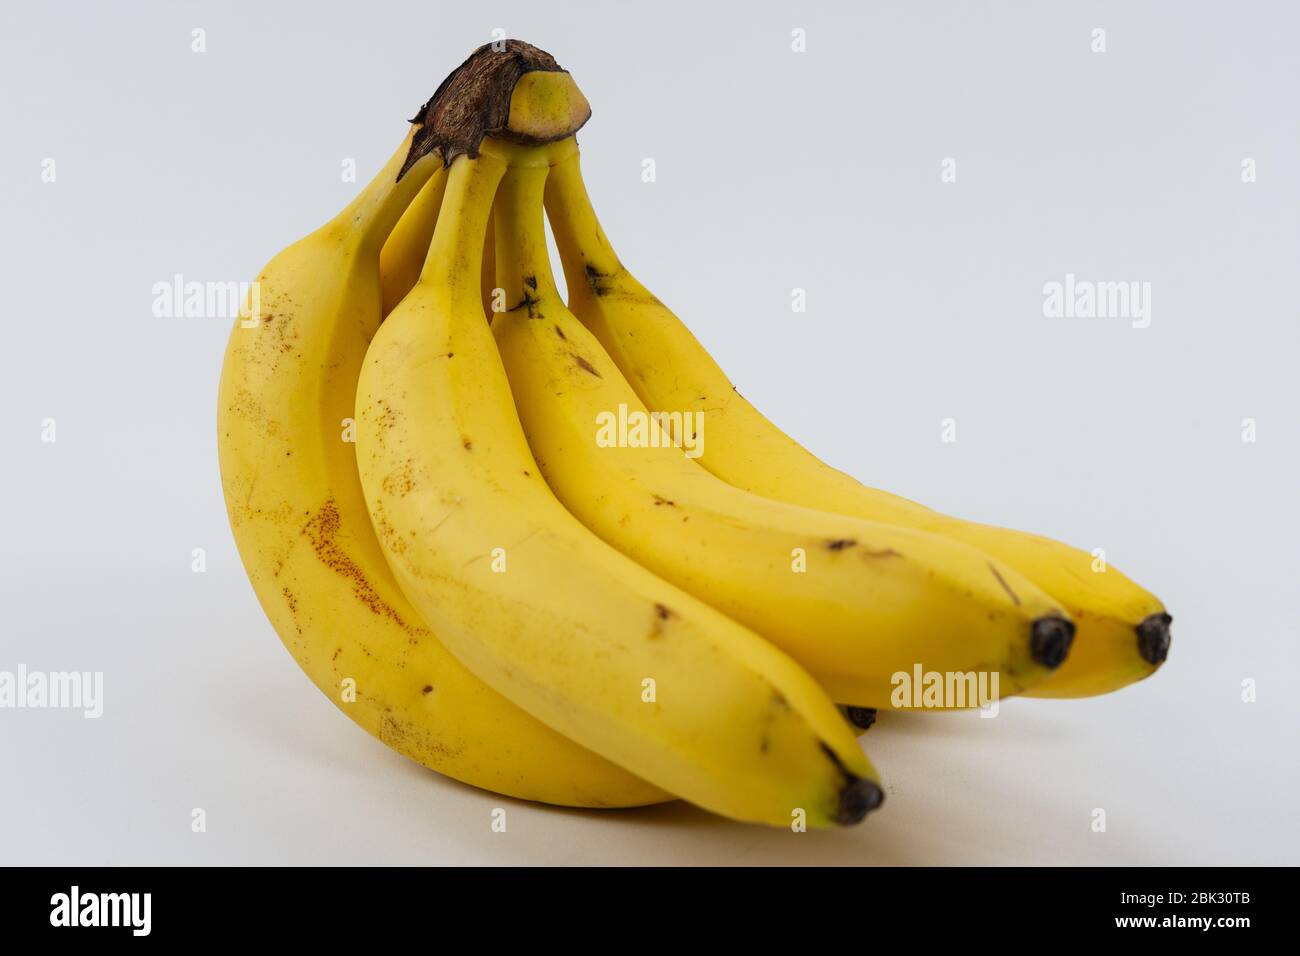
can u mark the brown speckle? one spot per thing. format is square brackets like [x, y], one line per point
[662, 614]
[660, 500]
[839, 544]
[585, 365]
[881, 553]
[322, 530]
[599, 281]
[529, 302]
[399, 483]
[415, 740]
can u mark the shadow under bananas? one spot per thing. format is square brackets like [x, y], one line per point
[944, 804]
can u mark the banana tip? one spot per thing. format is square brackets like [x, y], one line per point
[858, 798]
[860, 717]
[1154, 638]
[1050, 639]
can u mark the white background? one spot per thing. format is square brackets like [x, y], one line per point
[775, 170]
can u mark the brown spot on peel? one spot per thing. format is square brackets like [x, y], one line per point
[399, 483]
[843, 544]
[322, 530]
[599, 281]
[529, 302]
[662, 614]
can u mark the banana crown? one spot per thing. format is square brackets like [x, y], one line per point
[509, 89]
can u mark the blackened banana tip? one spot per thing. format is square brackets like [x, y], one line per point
[860, 717]
[1050, 639]
[858, 798]
[1154, 638]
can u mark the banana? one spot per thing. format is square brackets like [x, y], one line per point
[538, 607]
[402, 256]
[854, 602]
[295, 504]
[1123, 630]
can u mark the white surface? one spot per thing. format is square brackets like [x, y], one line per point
[818, 171]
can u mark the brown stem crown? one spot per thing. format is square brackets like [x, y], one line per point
[475, 101]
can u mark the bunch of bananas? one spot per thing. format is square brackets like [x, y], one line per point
[410, 448]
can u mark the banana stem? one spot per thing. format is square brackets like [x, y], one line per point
[455, 260]
[585, 251]
[523, 265]
[488, 275]
[403, 254]
[369, 219]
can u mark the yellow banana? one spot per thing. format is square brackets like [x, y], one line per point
[299, 519]
[854, 602]
[538, 607]
[402, 256]
[1123, 631]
